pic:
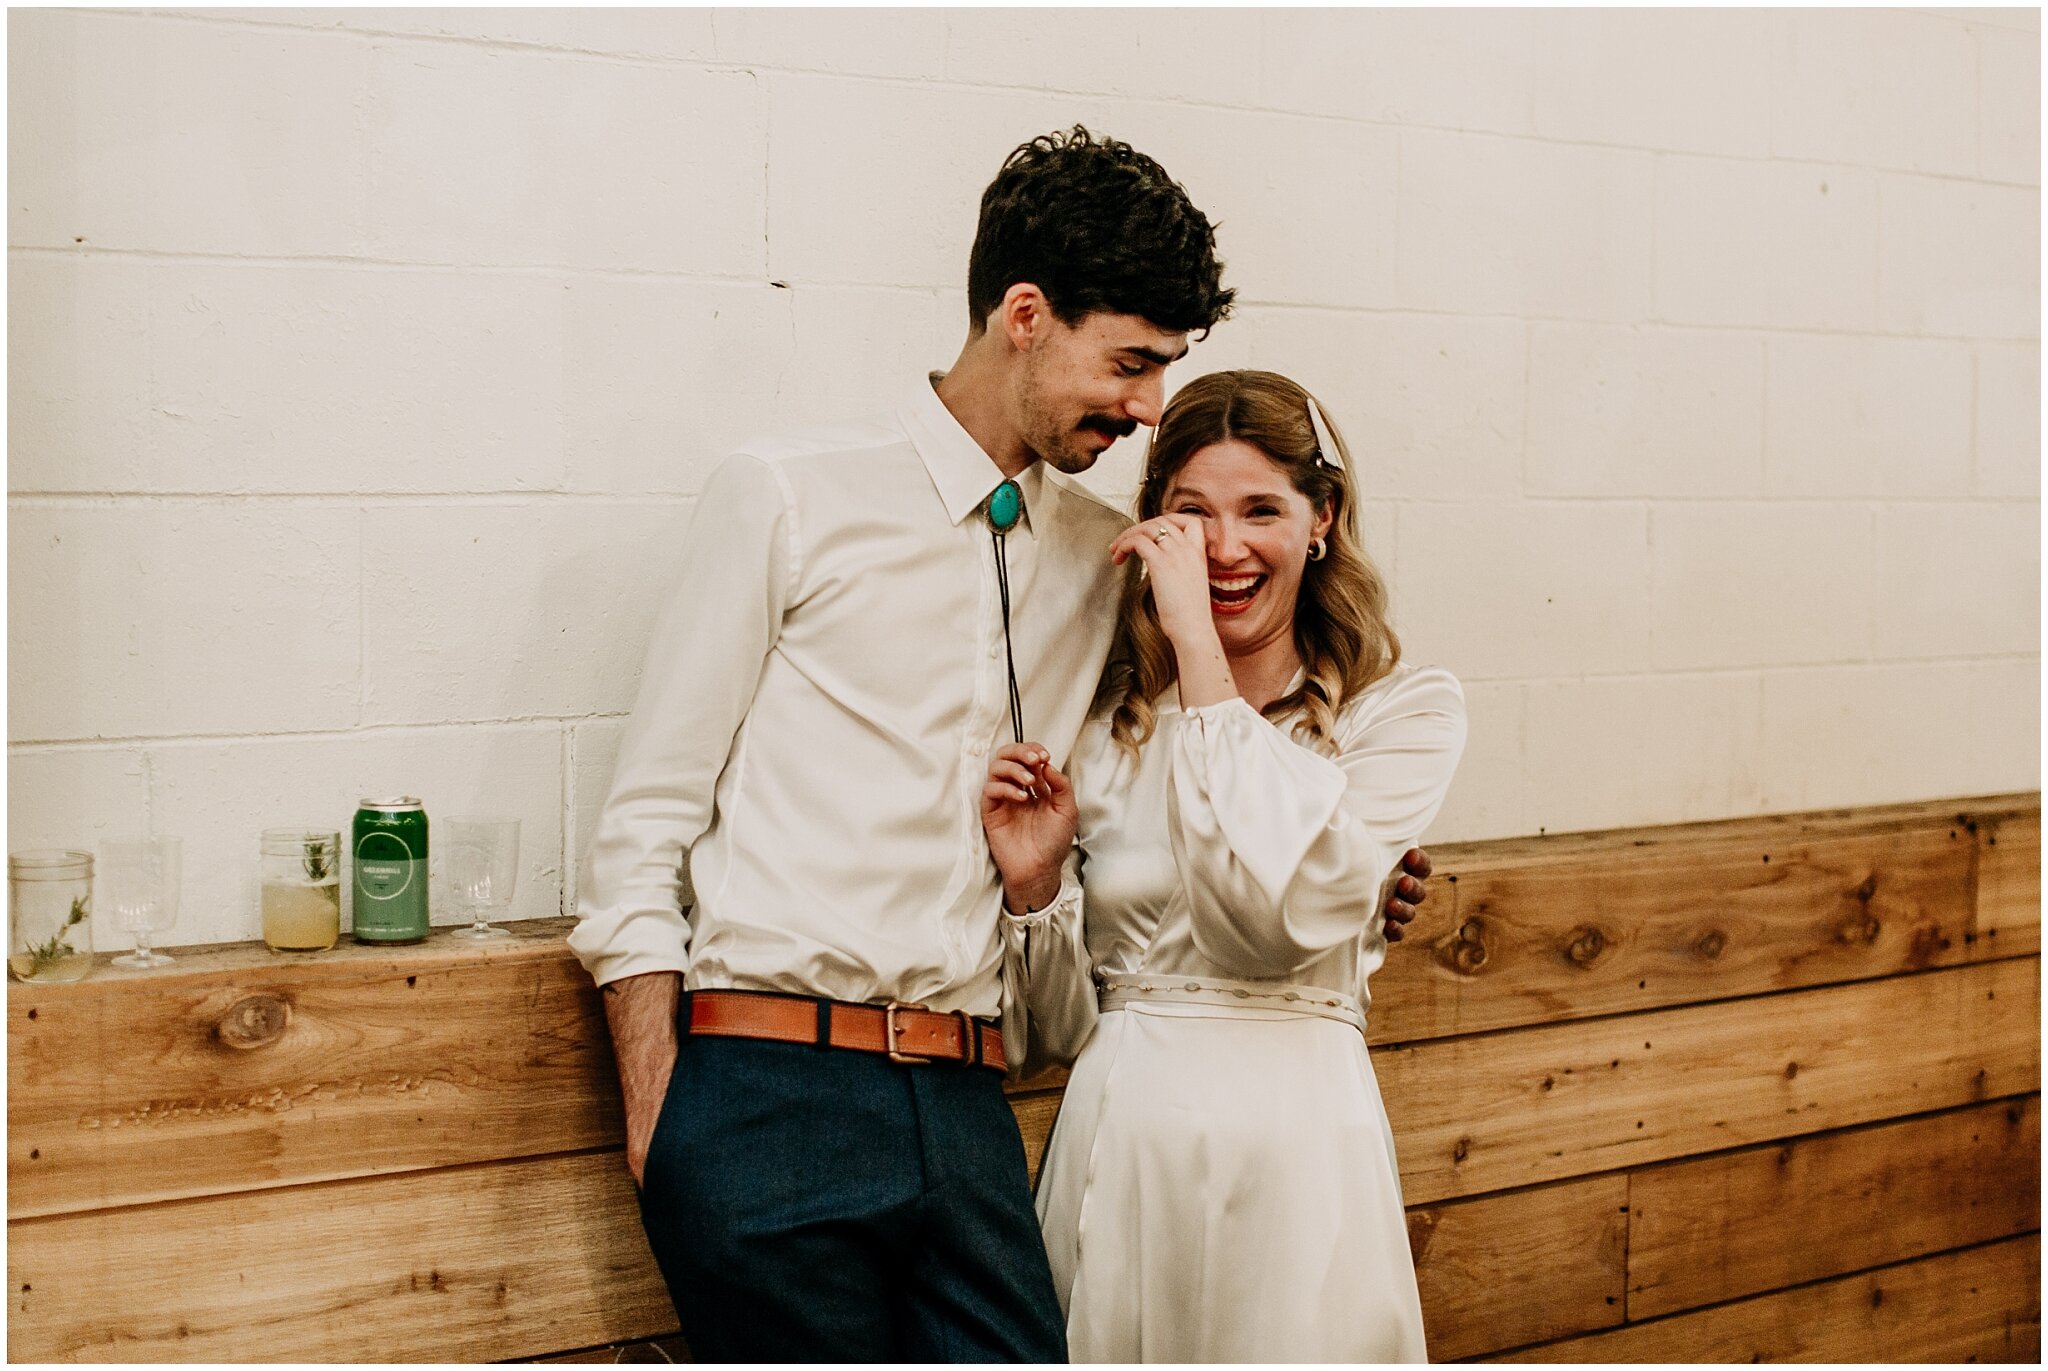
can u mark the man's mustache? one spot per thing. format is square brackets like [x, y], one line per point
[1113, 427]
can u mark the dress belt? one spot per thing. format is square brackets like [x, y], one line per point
[1120, 989]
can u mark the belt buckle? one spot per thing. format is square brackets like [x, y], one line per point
[889, 1035]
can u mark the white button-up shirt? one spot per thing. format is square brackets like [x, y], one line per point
[817, 713]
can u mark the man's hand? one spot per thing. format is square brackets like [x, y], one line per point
[1404, 891]
[642, 1013]
[1030, 814]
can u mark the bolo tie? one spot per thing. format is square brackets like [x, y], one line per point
[1005, 508]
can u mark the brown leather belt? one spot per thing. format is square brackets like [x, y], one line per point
[906, 1033]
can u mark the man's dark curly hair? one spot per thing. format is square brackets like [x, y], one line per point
[1096, 225]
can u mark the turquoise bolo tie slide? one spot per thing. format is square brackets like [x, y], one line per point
[1005, 507]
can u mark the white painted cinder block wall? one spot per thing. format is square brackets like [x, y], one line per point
[362, 366]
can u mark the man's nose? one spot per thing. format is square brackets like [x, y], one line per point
[1146, 400]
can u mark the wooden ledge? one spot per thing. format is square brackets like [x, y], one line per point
[528, 940]
[543, 939]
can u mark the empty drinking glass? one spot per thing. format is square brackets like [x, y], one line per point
[139, 879]
[483, 866]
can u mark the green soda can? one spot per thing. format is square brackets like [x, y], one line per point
[391, 871]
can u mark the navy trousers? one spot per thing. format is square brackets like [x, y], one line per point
[811, 1204]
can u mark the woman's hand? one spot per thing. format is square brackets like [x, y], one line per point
[1175, 550]
[1029, 812]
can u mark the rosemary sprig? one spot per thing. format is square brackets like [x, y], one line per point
[44, 956]
[318, 860]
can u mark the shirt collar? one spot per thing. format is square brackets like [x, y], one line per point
[962, 472]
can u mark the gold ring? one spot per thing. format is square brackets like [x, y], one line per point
[1160, 536]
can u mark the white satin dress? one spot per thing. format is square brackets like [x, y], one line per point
[1220, 1184]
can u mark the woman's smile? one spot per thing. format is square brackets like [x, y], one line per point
[1233, 594]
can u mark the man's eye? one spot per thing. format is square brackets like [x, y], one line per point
[1129, 369]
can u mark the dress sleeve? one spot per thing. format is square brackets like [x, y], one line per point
[1049, 1006]
[1282, 850]
[702, 668]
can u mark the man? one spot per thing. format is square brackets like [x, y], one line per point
[828, 1167]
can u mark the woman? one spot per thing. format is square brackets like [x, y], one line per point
[1221, 1185]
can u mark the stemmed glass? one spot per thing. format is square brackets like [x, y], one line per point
[483, 867]
[139, 883]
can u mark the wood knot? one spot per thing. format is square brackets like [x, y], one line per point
[1422, 1225]
[1586, 947]
[1928, 944]
[1466, 951]
[1711, 944]
[1859, 928]
[1867, 889]
[254, 1021]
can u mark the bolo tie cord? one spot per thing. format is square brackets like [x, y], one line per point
[1005, 507]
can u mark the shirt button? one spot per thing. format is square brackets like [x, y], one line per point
[975, 749]
[995, 650]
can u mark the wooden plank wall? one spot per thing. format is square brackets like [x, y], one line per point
[1759, 1090]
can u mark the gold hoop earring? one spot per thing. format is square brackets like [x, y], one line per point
[1317, 549]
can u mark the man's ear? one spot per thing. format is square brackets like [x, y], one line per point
[1023, 315]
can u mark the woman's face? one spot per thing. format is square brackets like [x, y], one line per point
[1258, 528]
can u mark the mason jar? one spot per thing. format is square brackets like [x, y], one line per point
[301, 889]
[51, 895]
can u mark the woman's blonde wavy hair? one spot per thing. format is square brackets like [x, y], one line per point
[1340, 619]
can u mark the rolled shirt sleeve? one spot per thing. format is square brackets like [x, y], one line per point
[702, 668]
[1282, 850]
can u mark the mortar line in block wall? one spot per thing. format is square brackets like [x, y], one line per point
[566, 896]
[1654, 309]
[1741, 498]
[1977, 89]
[31, 746]
[1642, 325]
[1648, 586]
[1763, 424]
[764, 102]
[363, 499]
[365, 261]
[1976, 390]
[1522, 434]
[382, 499]
[1762, 671]
[943, 85]
[148, 792]
[555, 270]
[362, 614]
